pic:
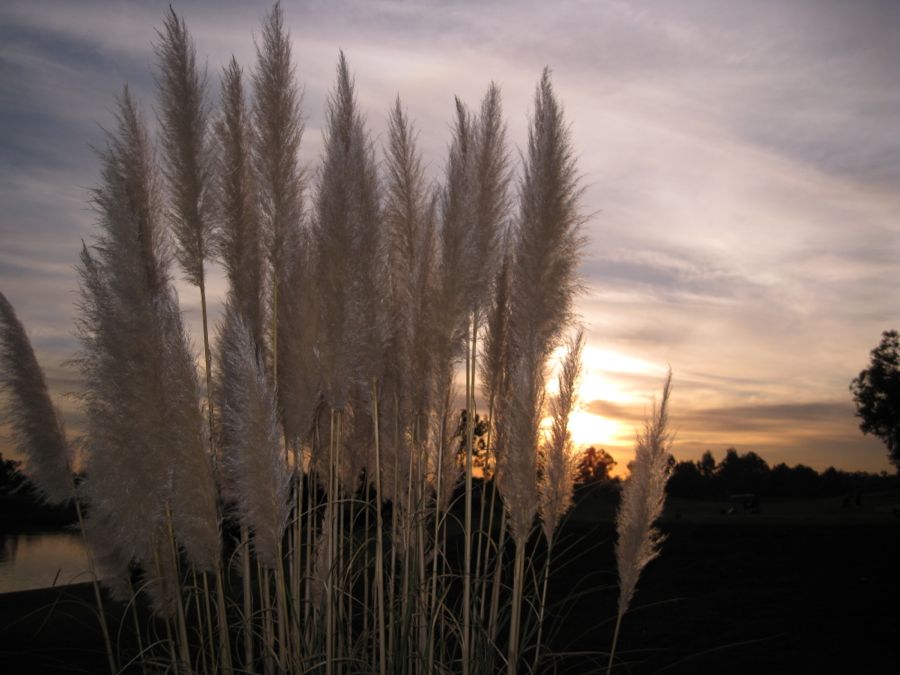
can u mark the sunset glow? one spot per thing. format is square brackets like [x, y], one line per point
[601, 432]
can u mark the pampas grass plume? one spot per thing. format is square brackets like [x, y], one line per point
[558, 475]
[239, 241]
[643, 497]
[37, 429]
[252, 457]
[184, 114]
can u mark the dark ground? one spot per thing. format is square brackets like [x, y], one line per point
[803, 587]
[800, 588]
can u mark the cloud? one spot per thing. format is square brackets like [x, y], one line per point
[818, 434]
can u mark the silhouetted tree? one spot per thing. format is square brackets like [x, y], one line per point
[594, 466]
[12, 479]
[798, 481]
[832, 482]
[743, 473]
[707, 466]
[687, 481]
[876, 392]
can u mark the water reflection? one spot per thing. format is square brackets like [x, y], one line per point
[40, 560]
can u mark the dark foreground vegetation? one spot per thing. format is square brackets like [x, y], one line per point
[21, 509]
[803, 586]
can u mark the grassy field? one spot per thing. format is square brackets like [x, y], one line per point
[801, 587]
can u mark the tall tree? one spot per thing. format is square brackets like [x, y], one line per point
[876, 392]
[594, 466]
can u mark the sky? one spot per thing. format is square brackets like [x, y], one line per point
[740, 164]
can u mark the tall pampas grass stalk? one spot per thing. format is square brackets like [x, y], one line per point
[543, 288]
[239, 241]
[643, 497]
[278, 130]
[241, 249]
[252, 460]
[489, 168]
[145, 440]
[186, 141]
[255, 472]
[458, 293]
[150, 481]
[558, 475]
[39, 435]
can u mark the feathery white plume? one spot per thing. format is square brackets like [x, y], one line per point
[240, 241]
[278, 130]
[558, 474]
[548, 239]
[457, 284]
[299, 374]
[643, 496]
[543, 286]
[145, 432]
[490, 207]
[184, 122]
[346, 232]
[37, 429]
[124, 279]
[252, 456]
[409, 230]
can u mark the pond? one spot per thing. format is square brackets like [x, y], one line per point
[40, 560]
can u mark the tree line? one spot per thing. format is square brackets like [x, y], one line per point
[740, 473]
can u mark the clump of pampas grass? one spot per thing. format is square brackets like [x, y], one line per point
[339, 364]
